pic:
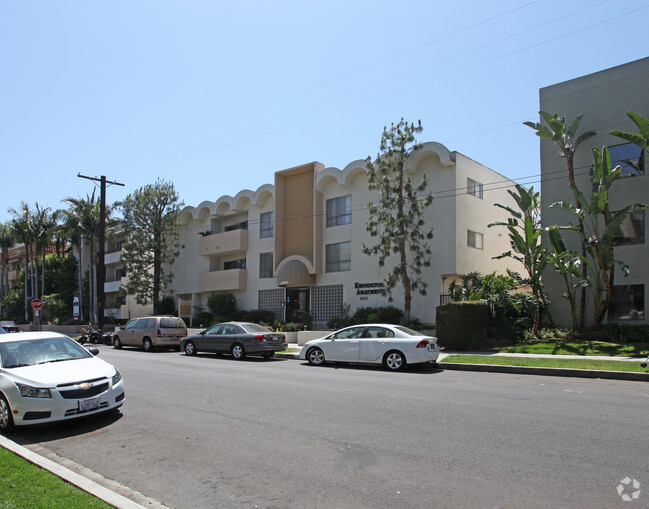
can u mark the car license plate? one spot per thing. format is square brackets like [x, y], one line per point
[88, 404]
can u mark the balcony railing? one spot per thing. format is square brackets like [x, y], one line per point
[223, 243]
[223, 280]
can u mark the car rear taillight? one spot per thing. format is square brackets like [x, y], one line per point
[260, 337]
[423, 343]
[159, 333]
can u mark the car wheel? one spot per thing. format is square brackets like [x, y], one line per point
[117, 343]
[394, 361]
[190, 348]
[6, 420]
[268, 355]
[315, 357]
[238, 352]
[147, 345]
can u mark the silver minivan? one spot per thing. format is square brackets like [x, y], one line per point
[151, 332]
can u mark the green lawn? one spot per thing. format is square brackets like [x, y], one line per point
[23, 484]
[558, 347]
[593, 364]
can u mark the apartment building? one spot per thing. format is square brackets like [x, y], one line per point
[295, 246]
[604, 98]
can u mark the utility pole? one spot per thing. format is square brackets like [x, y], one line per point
[101, 270]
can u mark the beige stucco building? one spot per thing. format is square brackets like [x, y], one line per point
[295, 246]
[603, 98]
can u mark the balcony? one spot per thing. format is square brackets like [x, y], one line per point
[223, 280]
[224, 243]
[113, 286]
[114, 257]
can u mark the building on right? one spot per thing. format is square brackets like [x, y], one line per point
[603, 98]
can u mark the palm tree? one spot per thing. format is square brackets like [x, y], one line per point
[22, 228]
[81, 222]
[565, 136]
[6, 243]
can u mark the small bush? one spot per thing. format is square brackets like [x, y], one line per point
[390, 314]
[222, 304]
[167, 306]
[204, 318]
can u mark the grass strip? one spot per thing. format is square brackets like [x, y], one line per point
[580, 348]
[538, 362]
[23, 484]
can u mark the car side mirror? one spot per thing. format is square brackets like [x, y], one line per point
[94, 350]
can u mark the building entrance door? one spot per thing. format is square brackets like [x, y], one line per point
[297, 304]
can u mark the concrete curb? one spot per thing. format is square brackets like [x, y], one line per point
[525, 370]
[87, 485]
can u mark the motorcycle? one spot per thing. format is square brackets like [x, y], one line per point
[92, 335]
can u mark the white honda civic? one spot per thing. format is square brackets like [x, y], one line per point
[47, 377]
[393, 346]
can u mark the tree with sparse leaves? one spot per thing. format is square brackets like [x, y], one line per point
[397, 220]
[151, 239]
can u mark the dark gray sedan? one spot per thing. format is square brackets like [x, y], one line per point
[237, 338]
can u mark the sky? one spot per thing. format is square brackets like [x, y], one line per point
[217, 96]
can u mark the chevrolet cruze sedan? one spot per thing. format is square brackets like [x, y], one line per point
[47, 377]
[393, 346]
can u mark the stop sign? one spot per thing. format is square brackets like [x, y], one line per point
[37, 304]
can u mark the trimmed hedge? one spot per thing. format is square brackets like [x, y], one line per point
[462, 325]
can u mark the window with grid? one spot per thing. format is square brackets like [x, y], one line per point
[475, 239]
[339, 257]
[474, 188]
[339, 210]
[265, 265]
[266, 225]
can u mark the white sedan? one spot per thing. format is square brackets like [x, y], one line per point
[47, 377]
[393, 346]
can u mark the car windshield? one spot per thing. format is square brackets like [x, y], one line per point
[30, 352]
[253, 327]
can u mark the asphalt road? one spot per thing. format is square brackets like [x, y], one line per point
[208, 432]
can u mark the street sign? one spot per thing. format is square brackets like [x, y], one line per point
[37, 304]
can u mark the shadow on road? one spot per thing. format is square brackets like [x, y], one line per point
[415, 369]
[49, 432]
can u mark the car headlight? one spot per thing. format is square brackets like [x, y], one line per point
[27, 391]
[117, 377]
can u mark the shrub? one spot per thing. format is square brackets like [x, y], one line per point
[204, 318]
[462, 325]
[390, 314]
[167, 306]
[222, 304]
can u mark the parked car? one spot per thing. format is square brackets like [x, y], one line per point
[9, 326]
[393, 346]
[47, 377]
[238, 338]
[151, 332]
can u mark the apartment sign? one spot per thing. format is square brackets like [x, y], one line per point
[369, 288]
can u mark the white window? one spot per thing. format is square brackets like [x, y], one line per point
[475, 239]
[474, 188]
[339, 257]
[339, 210]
